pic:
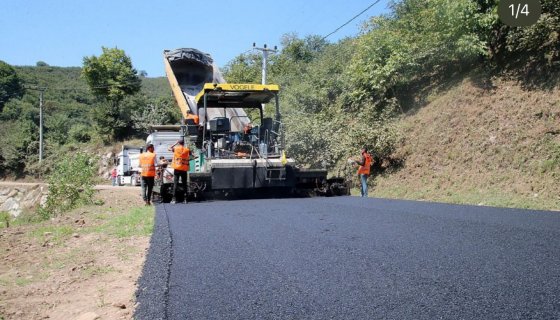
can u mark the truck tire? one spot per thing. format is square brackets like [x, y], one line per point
[166, 194]
[180, 197]
[134, 179]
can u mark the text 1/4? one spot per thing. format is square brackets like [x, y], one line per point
[519, 13]
[519, 10]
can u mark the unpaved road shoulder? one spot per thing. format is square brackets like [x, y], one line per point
[85, 262]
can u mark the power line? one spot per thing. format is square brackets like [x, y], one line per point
[353, 18]
[244, 53]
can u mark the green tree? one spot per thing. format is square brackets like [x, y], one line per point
[111, 77]
[419, 37]
[539, 43]
[322, 127]
[306, 49]
[70, 184]
[534, 46]
[10, 84]
[245, 68]
[18, 146]
[56, 128]
[157, 112]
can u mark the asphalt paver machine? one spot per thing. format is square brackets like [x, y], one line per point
[236, 155]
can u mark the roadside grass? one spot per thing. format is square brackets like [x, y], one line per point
[101, 216]
[5, 219]
[88, 245]
[96, 270]
[109, 223]
[53, 233]
[126, 253]
[65, 260]
[355, 192]
[22, 281]
[139, 221]
[493, 198]
[27, 217]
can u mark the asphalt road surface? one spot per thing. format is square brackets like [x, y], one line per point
[350, 258]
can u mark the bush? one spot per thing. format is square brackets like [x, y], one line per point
[70, 185]
[80, 133]
[418, 38]
[5, 219]
[10, 84]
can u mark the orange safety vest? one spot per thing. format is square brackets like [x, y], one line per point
[194, 117]
[367, 164]
[181, 157]
[148, 164]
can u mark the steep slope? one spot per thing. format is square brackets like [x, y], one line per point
[493, 144]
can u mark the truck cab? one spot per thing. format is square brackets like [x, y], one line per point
[128, 166]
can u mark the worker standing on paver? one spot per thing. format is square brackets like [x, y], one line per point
[180, 164]
[364, 170]
[193, 117]
[148, 166]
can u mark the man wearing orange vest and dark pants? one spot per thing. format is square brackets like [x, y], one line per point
[364, 170]
[180, 164]
[148, 166]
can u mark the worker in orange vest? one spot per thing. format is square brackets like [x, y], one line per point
[148, 166]
[364, 170]
[193, 117]
[180, 165]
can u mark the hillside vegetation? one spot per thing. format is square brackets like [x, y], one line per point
[69, 117]
[434, 89]
[491, 142]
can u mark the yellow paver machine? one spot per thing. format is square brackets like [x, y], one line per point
[236, 156]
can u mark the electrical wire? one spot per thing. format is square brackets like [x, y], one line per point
[353, 18]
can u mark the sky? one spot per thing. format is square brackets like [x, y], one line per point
[62, 32]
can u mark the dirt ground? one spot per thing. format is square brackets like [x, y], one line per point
[73, 267]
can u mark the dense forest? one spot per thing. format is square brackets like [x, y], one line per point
[336, 97]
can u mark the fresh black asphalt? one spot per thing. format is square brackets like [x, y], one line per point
[350, 258]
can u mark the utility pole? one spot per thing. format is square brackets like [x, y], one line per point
[41, 91]
[265, 51]
[41, 126]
